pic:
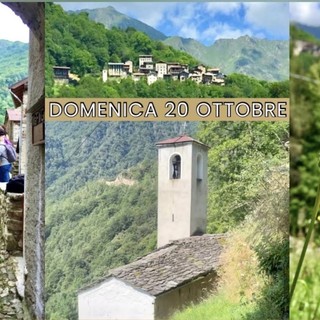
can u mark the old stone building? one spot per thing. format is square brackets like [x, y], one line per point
[12, 123]
[19, 94]
[61, 75]
[156, 285]
[183, 270]
[32, 14]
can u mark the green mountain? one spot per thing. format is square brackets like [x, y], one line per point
[314, 31]
[103, 149]
[110, 17]
[259, 58]
[14, 67]
[73, 40]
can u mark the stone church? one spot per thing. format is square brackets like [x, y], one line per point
[183, 269]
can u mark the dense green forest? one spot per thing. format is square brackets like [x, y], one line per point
[14, 67]
[305, 141]
[237, 85]
[81, 152]
[85, 46]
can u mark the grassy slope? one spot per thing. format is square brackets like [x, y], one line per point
[215, 308]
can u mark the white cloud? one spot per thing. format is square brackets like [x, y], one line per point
[11, 26]
[307, 13]
[223, 31]
[226, 8]
[271, 17]
[151, 13]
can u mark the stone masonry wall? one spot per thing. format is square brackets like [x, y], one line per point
[11, 221]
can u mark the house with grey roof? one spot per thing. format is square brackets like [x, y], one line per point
[183, 270]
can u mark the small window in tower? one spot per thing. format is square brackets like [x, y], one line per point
[176, 167]
[199, 167]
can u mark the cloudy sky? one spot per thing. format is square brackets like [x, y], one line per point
[306, 13]
[11, 26]
[205, 21]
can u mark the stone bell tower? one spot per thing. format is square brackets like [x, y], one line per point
[182, 188]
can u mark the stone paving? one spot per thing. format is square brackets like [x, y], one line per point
[10, 303]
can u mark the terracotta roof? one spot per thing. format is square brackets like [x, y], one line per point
[14, 114]
[173, 265]
[179, 139]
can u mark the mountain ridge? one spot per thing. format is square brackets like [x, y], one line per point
[120, 20]
[314, 31]
[247, 55]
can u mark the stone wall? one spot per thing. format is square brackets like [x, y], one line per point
[181, 297]
[32, 14]
[11, 221]
[34, 204]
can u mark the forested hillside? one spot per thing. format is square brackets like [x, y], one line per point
[80, 152]
[300, 34]
[85, 46]
[96, 228]
[313, 32]
[259, 58]
[14, 67]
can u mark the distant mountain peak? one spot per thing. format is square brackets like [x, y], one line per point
[110, 17]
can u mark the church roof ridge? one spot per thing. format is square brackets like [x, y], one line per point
[179, 139]
[172, 265]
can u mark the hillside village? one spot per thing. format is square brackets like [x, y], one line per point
[306, 47]
[154, 71]
[151, 71]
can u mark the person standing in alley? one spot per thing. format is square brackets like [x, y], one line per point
[5, 165]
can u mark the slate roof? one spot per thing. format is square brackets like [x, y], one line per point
[174, 264]
[179, 139]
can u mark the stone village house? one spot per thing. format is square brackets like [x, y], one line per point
[12, 123]
[19, 93]
[32, 14]
[183, 269]
[154, 71]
